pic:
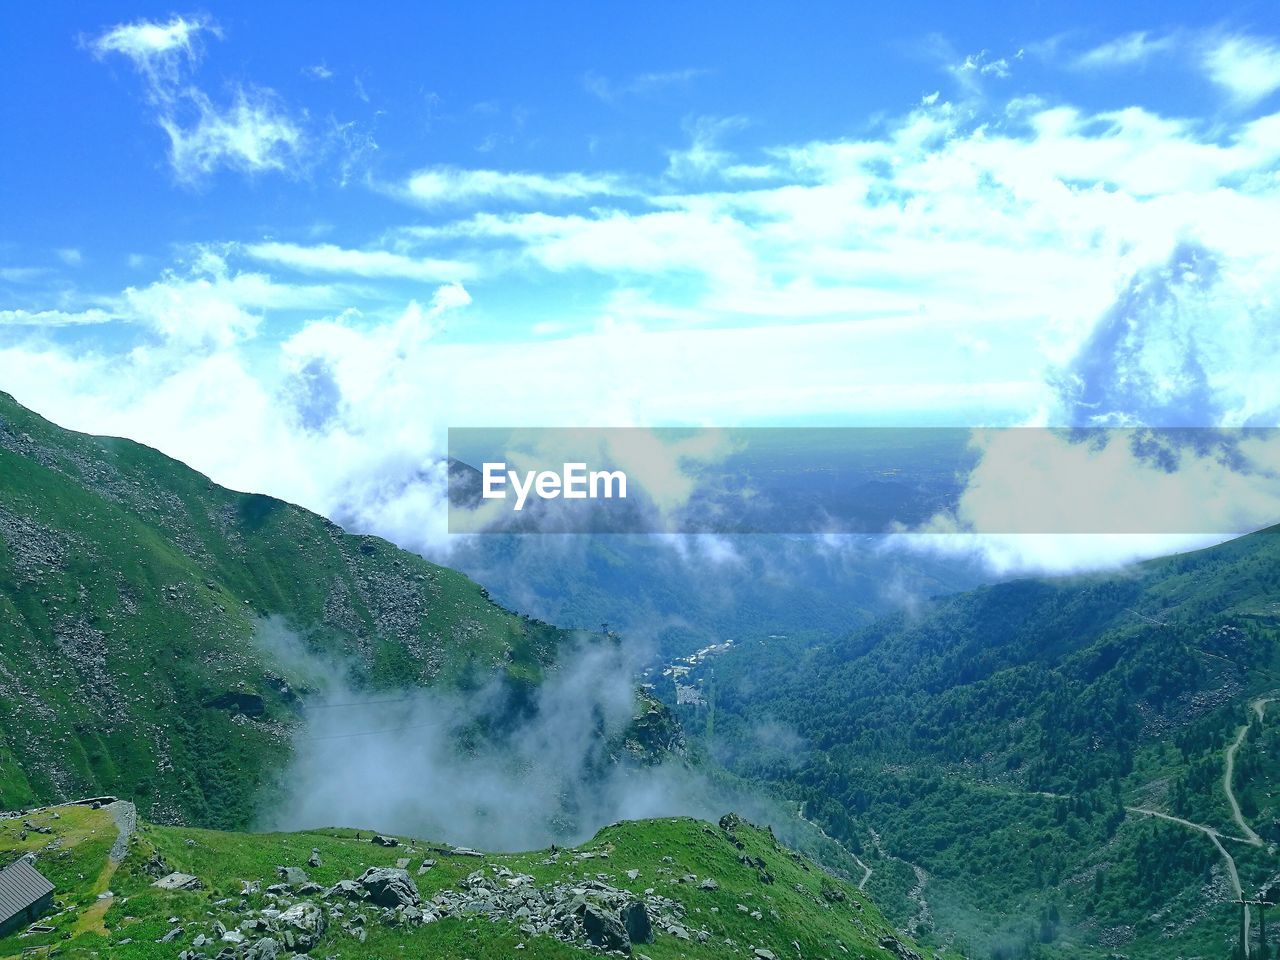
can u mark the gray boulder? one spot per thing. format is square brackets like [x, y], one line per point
[293, 876]
[302, 926]
[265, 949]
[604, 929]
[348, 890]
[178, 881]
[390, 887]
[635, 918]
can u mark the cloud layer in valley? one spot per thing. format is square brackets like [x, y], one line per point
[484, 769]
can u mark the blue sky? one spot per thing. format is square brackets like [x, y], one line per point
[538, 87]
[292, 244]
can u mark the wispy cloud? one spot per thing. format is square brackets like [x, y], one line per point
[974, 69]
[328, 258]
[971, 72]
[1245, 67]
[704, 154]
[457, 185]
[981, 64]
[54, 318]
[158, 50]
[252, 133]
[610, 91]
[23, 274]
[1128, 50]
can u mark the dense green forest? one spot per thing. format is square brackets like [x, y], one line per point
[1012, 763]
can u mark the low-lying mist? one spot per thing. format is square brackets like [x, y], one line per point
[500, 768]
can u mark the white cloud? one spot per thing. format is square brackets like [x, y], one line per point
[354, 145]
[212, 308]
[1130, 50]
[70, 256]
[158, 50]
[329, 258]
[1248, 68]
[703, 156]
[450, 296]
[54, 318]
[619, 243]
[973, 70]
[251, 135]
[191, 314]
[1015, 554]
[961, 221]
[981, 65]
[455, 185]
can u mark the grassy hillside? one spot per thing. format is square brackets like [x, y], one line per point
[1037, 767]
[130, 590]
[709, 891]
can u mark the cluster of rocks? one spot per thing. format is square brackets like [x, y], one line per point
[34, 550]
[899, 949]
[298, 912]
[589, 912]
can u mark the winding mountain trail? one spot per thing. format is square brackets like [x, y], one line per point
[866, 875]
[1214, 836]
[124, 817]
[1228, 775]
[1209, 831]
[862, 884]
[1259, 709]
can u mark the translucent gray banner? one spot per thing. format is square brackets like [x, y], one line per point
[863, 480]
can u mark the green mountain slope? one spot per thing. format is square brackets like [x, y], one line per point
[1037, 767]
[704, 891]
[131, 588]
